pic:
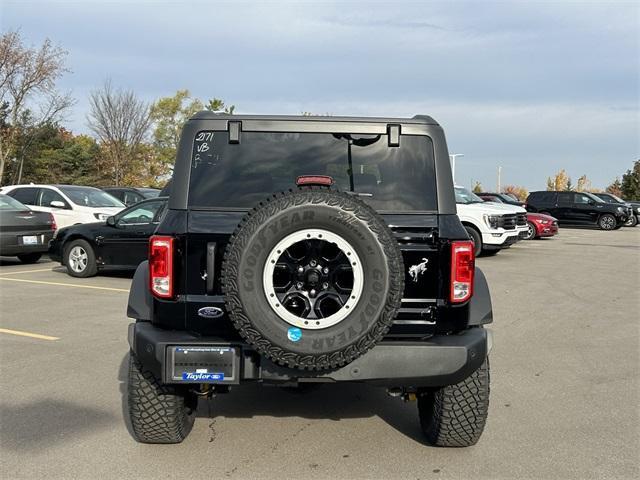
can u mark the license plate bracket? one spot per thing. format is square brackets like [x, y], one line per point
[204, 364]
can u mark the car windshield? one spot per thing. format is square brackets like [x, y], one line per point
[243, 174]
[611, 195]
[91, 197]
[8, 203]
[466, 196]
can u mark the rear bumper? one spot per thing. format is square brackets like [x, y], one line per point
[438, 361]
[11, 243]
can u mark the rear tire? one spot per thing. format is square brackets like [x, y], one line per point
[476, 238]
[607, 222]
[158, 413]
[632, 222]
[29, 257]
[80, 259]
[455, 415]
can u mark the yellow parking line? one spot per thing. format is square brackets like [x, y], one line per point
[27, 271]
[27, 334]
[40, 282]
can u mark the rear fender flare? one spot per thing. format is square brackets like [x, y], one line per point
[480, 308]
[139, 306]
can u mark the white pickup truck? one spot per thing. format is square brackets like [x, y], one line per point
[491, 226]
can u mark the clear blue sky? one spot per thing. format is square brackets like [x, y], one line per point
[533, 87]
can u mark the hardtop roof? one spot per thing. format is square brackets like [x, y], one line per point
[417, 119]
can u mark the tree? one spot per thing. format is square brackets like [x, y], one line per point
[560, 181]
[631, 183]
[121, 122]
[477, 188]
[521, 193]
[217, 105]
[615, 188]
[28, 95]
[551, 184]
[169, 115]
[569, 185]
[584, 184]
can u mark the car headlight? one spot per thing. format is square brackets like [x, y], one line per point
[100, 216]
[542, 222]
[491, 220]
[620, 210]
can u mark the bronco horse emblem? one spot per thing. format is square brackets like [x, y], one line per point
[416, 270]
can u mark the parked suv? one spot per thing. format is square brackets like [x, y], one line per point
[633, 208]
[299, 250]
[491, 226]
[69, 204]
[578, 208]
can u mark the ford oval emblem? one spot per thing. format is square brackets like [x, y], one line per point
[210, 312]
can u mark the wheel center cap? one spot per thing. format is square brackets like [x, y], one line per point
[313, 278]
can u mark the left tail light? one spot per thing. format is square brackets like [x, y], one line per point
[52, 220]
[161, 251]
[462, 270]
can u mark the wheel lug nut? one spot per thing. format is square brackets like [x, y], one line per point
[313, 263]
[325, 285]
[299, 285]
[325, 270]
[300, 269]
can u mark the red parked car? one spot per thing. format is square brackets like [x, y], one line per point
[540, 225]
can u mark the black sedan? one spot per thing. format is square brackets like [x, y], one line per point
[24, 233]
[120, 243]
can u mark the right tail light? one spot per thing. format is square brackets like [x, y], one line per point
[462, 270]
[161, 251]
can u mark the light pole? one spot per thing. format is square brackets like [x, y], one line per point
[453, 156]
[499, 175]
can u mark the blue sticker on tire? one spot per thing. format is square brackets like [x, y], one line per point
[294, 334]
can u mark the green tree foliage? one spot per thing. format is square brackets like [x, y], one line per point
[477, 188]
[57, 156]
[630, 185]
[169, 115]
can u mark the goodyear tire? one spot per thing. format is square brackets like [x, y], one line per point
[312, 278]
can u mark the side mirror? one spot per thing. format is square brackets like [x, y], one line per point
[57, 204]
[592, 202]
[111, 221]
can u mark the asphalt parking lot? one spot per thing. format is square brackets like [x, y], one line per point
[564, 404]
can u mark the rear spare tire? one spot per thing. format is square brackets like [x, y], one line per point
[312, 278]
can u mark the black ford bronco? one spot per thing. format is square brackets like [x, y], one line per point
[299, 250]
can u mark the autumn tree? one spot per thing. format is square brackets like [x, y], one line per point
[28, 96]
[560, 181]
[584, 184]
[615, 188]
[477, 188]
[520, 192]
[121, 123]
[630, 184]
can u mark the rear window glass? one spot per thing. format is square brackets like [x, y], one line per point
[241, 175]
